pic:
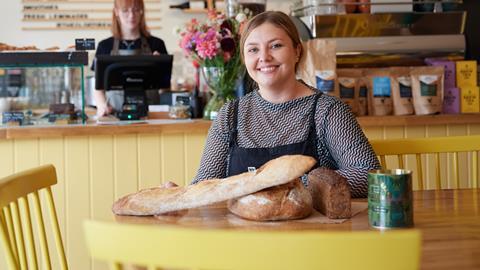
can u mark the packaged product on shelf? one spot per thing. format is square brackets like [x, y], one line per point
[379, 92]
[470, 99]
[362, 97]
[451, 100]
[401, 90]
[449, 67]
[466, 73]
[348, 86]
[427, 89]
[382, 6]
[318, 65]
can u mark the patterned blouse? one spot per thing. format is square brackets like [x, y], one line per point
[341, 144]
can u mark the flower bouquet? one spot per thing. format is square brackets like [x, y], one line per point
[214, 48]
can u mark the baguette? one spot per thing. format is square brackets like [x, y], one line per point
[158, 200]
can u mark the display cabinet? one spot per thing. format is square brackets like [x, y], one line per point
[42, 88]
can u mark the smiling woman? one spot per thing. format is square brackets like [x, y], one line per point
[283, 116]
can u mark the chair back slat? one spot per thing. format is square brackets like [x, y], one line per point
[444, 150]
[475, 169]
[438, 180]
[11, 259]
[42, 235]
[17, 225]
[56, 228]
[383, 161]
[421, 182]
[10, 230]
[28, 233]
[24, 246]
[400, 161]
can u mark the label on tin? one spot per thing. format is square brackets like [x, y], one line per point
[390, 200]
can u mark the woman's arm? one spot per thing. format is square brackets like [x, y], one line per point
[214, 160]
[349, 147]
[103, 108]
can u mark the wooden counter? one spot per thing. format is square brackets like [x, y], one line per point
[173, 126]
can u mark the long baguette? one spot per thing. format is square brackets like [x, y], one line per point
[156, 201]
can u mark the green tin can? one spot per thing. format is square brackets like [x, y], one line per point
[390, 198]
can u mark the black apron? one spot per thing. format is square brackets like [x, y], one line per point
[244, 159]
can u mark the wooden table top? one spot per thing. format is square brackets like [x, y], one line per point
[448, 219]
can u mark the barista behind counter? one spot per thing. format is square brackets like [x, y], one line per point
[130, 37]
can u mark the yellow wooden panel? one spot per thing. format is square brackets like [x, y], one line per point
[101, 181]
[78, 199]
[194, 144]
[26, 154]
[430, 165]
[149, 163]
[7, 166]
[52, 152]
[101, 176]
[125, 164]
[373, 133]
[463, 159]
[173, 157]
[474, 129]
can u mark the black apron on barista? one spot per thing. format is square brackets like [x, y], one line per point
[244, 159]
[115, 98]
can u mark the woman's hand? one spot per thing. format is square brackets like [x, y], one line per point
[168, 184]
[103, 108]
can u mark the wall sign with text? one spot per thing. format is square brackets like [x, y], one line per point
[77, 14]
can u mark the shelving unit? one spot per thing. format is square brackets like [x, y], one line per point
[210, 5]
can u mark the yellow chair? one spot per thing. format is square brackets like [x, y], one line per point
[16, 222]
[175, 247]
[436, 146]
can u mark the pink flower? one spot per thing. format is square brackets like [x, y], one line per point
[206, 44]
[214, 42]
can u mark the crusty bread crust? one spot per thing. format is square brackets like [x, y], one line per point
[285, 202]
[157, 200]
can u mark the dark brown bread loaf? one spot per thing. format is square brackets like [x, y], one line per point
[284, 202]
[330, 193]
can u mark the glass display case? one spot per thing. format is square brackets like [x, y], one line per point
[42, 88]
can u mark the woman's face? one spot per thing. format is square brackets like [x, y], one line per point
[270, 56]
[129, 17]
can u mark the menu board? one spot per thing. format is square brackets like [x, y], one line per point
[78, 14]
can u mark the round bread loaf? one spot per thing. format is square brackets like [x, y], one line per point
[284, 202]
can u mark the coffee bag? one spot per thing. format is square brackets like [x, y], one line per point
[427, 89]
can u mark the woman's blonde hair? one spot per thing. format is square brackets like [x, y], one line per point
[277, 18]
[120, 4]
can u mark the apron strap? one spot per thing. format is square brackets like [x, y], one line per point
[312, 133]
[146, 50]
[116, 46]
[233, 131]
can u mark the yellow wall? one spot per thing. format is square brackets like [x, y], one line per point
[94, 170]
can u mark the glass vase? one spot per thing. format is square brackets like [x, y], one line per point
[221, 86]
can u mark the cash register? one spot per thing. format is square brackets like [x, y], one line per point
[133, 74]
